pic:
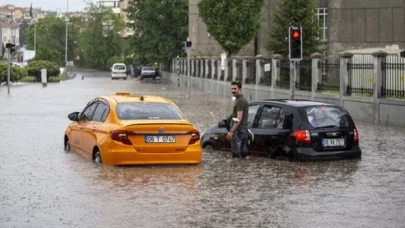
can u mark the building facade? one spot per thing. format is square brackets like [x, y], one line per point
[10, 31]
[345, 25]
[118, 7]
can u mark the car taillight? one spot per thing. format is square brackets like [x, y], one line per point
[195, 136]
[121, 136]
[302, 136]
[356, 135]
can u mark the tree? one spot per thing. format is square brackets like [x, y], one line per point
[302, 13]
[100, 40]
[51, 38]
[23, 32]
[233, 23]
[160, 27]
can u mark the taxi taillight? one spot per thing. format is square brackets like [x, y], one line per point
[356, 135]
[195, 136]
[302, 136]
[120, 136]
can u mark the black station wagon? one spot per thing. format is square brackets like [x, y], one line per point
[293, 129]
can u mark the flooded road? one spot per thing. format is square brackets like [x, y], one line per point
[42, 186]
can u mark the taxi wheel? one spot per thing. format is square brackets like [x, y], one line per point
[209, 148]
[97, 158]
[67, 146]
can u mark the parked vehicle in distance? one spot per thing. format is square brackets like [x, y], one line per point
[118, 70]
[123, 130]
[149, 72]
[297, 130]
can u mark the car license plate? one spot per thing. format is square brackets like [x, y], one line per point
[160, 139]
[333, 142]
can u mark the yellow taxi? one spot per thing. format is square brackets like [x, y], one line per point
[125, 129]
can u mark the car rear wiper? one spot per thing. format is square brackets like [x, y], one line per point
[327, 126]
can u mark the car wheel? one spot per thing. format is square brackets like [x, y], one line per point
[67, 146]
[97, 158]
[208, 148]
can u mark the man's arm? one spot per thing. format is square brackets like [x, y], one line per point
[239, 115]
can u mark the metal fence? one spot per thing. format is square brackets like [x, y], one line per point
[284, 66]
[393, 73]
[266, 75]
[304, 69]
[251, 71]
[329, 70]
[361, 71]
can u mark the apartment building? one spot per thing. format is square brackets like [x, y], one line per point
[118, 7]
[345, 24]
[10, 31]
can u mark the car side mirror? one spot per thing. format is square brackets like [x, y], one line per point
[222, 124]
[74, 116]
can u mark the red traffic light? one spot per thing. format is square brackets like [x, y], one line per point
[189, 44]
[296, 34]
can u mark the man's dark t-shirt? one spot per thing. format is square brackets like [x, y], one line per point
[241, 104]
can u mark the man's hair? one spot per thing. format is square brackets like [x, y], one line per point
[237, 83]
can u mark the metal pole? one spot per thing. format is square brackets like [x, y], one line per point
[66, 43]
[8, 71]
[188, 71]
[292, 79]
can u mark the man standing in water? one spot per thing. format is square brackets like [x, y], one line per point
[239, 130]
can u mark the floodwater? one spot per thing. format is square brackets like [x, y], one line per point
[42, 186]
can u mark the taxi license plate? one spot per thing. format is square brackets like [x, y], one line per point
[160, 139]
[333, 142]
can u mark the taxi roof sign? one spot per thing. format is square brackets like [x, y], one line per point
[123, 94]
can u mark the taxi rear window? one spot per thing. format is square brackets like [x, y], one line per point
[327, 116]
[119, 67]
[148, 111]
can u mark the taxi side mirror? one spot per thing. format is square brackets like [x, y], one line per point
[74, 116]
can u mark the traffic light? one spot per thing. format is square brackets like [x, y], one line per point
[295, 43]
[189, 44]
[11, 47]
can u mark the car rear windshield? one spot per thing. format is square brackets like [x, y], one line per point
[149, 68]
[119, 67]
[327, 116]
[148, 111]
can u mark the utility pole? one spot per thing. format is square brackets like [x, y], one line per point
[8, 70]
[35, 37]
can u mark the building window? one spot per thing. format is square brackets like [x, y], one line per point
[322, 14]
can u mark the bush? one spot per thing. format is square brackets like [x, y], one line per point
[34, 69]
[112, 60]
[16, 73]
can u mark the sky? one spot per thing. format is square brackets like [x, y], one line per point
[74, 5]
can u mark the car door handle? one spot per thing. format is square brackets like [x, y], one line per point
[94, 128]
[81, 127]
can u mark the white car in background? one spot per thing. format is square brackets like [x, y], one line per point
[118, 70]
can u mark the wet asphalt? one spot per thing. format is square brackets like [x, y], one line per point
[42, 186]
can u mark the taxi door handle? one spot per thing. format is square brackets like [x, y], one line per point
[94, 128]
[81, 127]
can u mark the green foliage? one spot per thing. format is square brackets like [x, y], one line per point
[34, 69]
[302, 12]
[16, 73]
[112, 60]
[51, 55]
[160, 27]
[51, 39]
[100, 40]
[233, 23]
